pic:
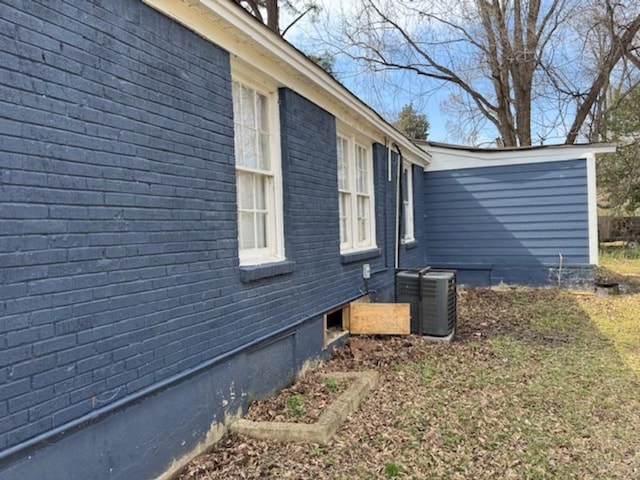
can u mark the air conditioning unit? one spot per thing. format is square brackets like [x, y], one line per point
[432, 296]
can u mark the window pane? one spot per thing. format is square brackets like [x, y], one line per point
[362, 171]
[237, 143]
[260, 192]
[237, 105]
[345, 218]
[262, 112]
[405, 185]
[363, 219]
[246, 231]
[263, 152]
[404, 221]
[246, 200]
[248, 112]
[343, 164]
[261, 230]
[237, 109]
[250, 154]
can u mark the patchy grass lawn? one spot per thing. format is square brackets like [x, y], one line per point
[618, 316]
[541, 384]
[621, 259]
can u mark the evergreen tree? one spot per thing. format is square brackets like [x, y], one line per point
[411, 123]
[619, 173]
[325, 61]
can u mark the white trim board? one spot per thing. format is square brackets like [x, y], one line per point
[451, 157]
[592, 210]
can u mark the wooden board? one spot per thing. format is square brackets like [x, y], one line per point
[380, 319]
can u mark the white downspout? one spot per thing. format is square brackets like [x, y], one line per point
[388, 147]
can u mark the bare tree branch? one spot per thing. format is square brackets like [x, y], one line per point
[521, 63]
[620, 45]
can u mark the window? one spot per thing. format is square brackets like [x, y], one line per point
[258, 178]
[355, 192]
[407, 202]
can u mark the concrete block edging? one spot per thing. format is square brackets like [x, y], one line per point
[323, 430]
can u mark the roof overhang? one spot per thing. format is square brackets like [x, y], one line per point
[456, 157]
[247, 40]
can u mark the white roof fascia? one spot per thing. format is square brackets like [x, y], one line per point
[248, 41]
[458, 158]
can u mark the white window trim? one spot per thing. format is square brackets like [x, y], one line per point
[274, 252]
[407, 207]
[352, 245]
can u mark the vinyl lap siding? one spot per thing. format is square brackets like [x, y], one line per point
[508, 216]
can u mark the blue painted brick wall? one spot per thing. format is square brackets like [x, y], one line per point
[118, 250]
[117, 180]
[320, 280]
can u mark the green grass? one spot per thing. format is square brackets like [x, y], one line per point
[620, 258]
[332, 385]
[392, 470]
[295, 405]
[617, 317]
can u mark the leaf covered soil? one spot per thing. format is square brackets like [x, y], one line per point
[538, 384]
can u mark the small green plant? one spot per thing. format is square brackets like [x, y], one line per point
[295, 405]
[316, 452]
[331, 384]
[392, 470]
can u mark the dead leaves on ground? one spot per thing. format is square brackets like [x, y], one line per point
[530, 389]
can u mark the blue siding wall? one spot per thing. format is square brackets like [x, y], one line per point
[121, 298]
[509, 223]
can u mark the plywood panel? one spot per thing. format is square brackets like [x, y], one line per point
[380, 319]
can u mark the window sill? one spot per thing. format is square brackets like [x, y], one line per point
[251, 273]
[359, 256]
[410, 244]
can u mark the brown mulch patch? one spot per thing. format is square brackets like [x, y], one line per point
[239, 457]
[302, 402]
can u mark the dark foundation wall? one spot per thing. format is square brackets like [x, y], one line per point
[159, 433]
[128, 328]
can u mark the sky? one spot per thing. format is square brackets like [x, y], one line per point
[387, 93]
[552, 113]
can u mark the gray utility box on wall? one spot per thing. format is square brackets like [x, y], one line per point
[432, 296]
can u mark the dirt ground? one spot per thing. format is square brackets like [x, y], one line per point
[241, 457]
